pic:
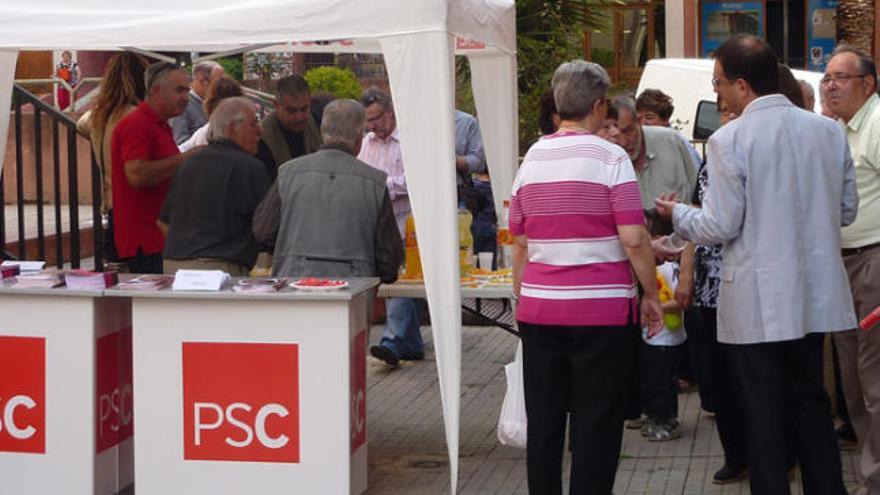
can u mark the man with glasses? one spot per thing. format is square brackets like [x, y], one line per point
[781, 184]
[290, 131]
[660, 157]
[193, 118]
[849, 89]
[402, 338]
[144, 158]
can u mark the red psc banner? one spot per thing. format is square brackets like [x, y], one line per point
[23, 394]
[114, 421]
[241, 402]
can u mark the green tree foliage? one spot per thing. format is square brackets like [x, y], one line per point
[341, 82]
[232, 66]
[549, 32]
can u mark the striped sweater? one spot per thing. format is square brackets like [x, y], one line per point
[569, 196]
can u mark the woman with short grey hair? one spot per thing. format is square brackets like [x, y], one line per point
[576, 216]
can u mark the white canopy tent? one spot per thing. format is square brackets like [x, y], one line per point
[418, 39]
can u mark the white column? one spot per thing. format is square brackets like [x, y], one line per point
[675, 28]
[8, 58]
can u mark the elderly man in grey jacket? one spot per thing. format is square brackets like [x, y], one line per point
[329, 214]
[781, 185]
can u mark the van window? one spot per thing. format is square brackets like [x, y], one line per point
[707, 120]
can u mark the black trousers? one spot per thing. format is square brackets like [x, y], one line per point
[109, 245]
[584, 371]
[702, 339]
[659, 391]
[144, 263]
[781, 383]
[729, 416]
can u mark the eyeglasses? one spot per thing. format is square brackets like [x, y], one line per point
[155, 71]
[839, 78]
[717, 82]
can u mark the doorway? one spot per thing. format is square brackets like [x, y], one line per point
[635, 33]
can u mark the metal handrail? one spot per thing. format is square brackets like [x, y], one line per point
[23, 97]
[58, 81]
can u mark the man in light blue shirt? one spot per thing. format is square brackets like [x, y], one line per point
[471, 170]
[469, 156]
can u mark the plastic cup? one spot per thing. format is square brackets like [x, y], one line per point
[485, 260]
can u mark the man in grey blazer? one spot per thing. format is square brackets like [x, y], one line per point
[781, 185]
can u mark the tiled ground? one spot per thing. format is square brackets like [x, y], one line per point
[407, 450]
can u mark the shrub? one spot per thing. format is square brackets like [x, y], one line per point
[232, 66]
[341, 82]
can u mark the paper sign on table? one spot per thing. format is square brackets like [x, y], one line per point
[204, 280]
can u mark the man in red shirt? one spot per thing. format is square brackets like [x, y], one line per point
[144, 158]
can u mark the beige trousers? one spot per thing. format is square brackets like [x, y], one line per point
[859, 354]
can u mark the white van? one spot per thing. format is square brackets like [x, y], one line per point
[689, 83]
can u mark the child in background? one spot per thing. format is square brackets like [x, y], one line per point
[659, 356]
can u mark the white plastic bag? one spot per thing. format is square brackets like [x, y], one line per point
[512, 422]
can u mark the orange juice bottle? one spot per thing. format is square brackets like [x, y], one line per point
[413, 267]
[465, 241]
[505, 239]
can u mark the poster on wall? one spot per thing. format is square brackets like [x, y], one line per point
[821, 32]
[721, 20]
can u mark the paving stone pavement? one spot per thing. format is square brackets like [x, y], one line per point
[407, 448]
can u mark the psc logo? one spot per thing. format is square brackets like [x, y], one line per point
[358, 390]
[23, 394]
[241, 402]
[114, 402]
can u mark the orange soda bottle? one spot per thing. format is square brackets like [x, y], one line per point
[413, 266]
[505, 238]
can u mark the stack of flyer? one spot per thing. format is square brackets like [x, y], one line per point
[87, 280]
[147, 282]
[9, 271]
[25, 266]
[260, 285]
[41, 280]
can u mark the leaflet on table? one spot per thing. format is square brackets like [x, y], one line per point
[42, 280]
[25, 266]
[262, 284]
[147, 282]
[200, 280]
[88, 280]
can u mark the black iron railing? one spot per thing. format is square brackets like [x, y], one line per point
[62, 125]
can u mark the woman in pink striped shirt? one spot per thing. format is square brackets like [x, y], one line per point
[576, 214]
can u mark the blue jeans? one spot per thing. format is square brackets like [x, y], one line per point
[402, 335]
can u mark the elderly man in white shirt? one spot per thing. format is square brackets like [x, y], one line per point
[782, 184]
[850, 90]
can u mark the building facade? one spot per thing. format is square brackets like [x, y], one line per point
[802, 32]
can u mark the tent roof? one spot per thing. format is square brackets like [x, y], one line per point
[212, 25]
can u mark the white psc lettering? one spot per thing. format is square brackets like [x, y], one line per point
[118, 404]
[8, 421]
[220, 416]
[357, 416]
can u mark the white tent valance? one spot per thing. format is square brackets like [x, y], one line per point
[418, 39]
